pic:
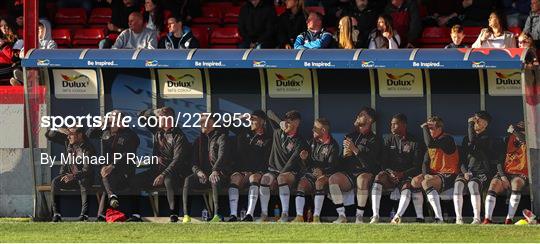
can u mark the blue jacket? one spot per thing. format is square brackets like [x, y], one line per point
[185, 42]
[310, 40]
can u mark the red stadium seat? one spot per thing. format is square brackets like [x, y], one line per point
[62, 37]
[201, 33]
[231, 15]
[211, 15]
[471, 34]
[219, 5]
[280, 9]
[516, 30]
[88, 37]
[225, 37]
[434, 37]
[100, 16]
[317, 9]
[70, 16]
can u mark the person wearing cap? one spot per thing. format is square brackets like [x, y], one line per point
[320, 161]
[72, 174]
[361, 152]
[481, 154]
[284, 162]
[439, 169]
[173, 151]
[118, 142]
[253, 145]
[512, 174]
[211, 165]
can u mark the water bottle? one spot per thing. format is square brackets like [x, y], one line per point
[243, 213]
[204, 215]
[309, 216]
[277, 212]
[392, 213]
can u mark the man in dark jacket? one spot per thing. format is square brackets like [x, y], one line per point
[406, 19]
[72, 174]
[117, 143]
[365, 17]
[211, 164]
[172, 149]
[256, 25]
[179, 36]
[291, 23]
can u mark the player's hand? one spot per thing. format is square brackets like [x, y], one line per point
[67, 178]
[106, 170]
[304, 154]
[214, 177]
[350, 146]
[202, 177]
[158, 180]
[472, 119]
[64, 131]
[317, 172]
[423, 125]
[511, 129]
[467, 176]
[505, 181]
[393, 177]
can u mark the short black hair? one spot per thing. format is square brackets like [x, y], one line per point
[293, 115]
[401, 117]
[483, 115]
[369, 111]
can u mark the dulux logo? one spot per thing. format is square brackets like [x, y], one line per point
[506, 79]
[75, 81]
[480, 64]
[186, 81]
[400, 80]
[259, 64]
[43, 62]
[289, 81]
[151, 63]
[368, 64]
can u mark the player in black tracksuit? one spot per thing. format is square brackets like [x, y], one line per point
[173, 151]
[116, 176]
[284, 163]
[211, 164]
[481, 154]
[401, 159]
[361, 151]
[72, 174]
[319, 163]
[253, 146]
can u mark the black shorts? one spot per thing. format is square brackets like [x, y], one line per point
[276, 174]
[512, 176]
[352, 176]
[447, 180]
[481, 179]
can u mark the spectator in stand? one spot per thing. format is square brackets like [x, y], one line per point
[406, 20]
[121, 9]
[532, 25]
[384, 36]
[364, 21]
[344, 36]
[291, 23]
[516, 11]
[496, 35]
[15, 11]
[315, 37]
[336, 10]
[457, 35]
[256, 25]
[184, 9]
[8, 37]
[137, 36]
[179, 36]
[525, 41]
[442, 13]
[476, 12]
[153, 15]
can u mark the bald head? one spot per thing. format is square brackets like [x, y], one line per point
[136, 22]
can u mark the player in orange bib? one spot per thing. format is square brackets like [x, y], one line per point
[440, 167]
[512, 173]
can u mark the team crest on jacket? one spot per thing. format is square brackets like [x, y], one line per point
[290, 146]
[324, 151]
[259, 143]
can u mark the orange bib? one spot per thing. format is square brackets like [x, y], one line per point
[516, 158]
[443, 163]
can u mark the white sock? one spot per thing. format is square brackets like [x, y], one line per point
[418, 202]
[284, 196]
[265, 198]
[476, 199]
[337, 198]
[252, 199]
[435, 201]
[404, 201]
[300, 202]
[341, 210]
[318, 202]
[233, 200]
[376, 193]
[458, 198]
[513, 204]
[490, 205]
[362, 197]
